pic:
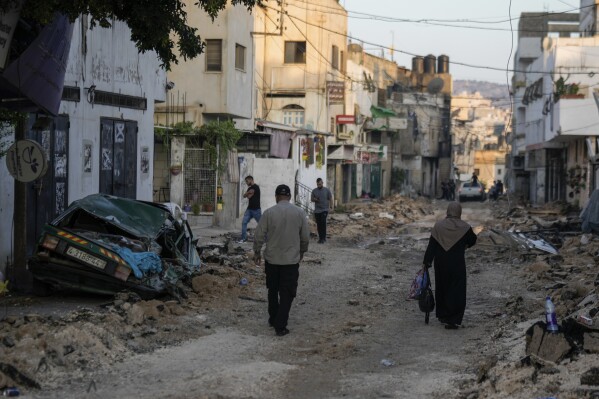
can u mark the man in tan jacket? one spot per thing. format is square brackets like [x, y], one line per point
[284, 229]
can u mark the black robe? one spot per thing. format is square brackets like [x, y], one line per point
[450, 277]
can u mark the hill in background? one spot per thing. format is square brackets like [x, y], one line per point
[494, 91]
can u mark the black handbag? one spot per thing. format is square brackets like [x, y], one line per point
[426, 300]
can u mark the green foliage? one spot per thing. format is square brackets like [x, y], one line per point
[219, 138]
[159, 25]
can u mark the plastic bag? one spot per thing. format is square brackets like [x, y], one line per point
[418, 285]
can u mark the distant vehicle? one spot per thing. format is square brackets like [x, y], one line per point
[470, 190]
[105, 244]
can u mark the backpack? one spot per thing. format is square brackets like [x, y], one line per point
[426, 299]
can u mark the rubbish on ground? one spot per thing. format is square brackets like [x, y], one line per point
[356, 216]
[243, 281]
[550, 316]
[387, 362]
[386, 215]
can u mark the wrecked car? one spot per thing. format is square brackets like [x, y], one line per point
[105, 244]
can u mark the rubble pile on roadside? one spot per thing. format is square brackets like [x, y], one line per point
[363, 218]
[558, 261]
[35, 349]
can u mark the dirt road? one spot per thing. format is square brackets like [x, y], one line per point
[353, 334]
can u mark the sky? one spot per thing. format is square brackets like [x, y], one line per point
[480, 47]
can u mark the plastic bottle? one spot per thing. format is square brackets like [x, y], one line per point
[550, 316]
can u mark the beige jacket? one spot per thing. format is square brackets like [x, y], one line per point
[284, 229]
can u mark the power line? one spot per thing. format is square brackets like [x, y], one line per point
[594, 71]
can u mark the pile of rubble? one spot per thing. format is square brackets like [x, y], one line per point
[556, 260]
[377, 218]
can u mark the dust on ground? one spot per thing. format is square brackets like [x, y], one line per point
[353, 333]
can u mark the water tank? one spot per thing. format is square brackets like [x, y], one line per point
[443, 64]
[418, 65]
[430, 64]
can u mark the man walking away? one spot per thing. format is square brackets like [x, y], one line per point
[284, 229]
[253, 210]
[323, 202]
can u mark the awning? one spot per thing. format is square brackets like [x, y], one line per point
[341, 152]
[311, 131]
[274, 125]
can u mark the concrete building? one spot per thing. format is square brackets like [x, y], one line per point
[533, 28]
[478, 126]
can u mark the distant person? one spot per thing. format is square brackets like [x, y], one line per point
[474, 180]
[493, 191]
[446, 248]
[451, 189]
[323, 203]
[499, 187]
[284, 229]
[444, 192]
[253, 210]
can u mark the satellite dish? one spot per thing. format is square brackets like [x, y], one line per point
[435, 85]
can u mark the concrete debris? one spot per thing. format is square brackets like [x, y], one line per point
[552, 347]
[590, 377]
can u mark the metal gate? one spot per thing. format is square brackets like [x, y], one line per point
[118, 158]
[47, 197]
[200, 180]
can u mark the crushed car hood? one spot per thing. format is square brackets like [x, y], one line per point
[139, 218]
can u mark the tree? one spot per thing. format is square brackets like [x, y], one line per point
[157, 25]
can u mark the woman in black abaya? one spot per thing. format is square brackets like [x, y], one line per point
[446, 247]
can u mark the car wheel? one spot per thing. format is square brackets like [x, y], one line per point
[460, 199]
[41, 288]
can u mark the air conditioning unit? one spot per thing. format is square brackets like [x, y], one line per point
[518, 162]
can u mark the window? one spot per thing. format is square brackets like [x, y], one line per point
[375, 137]
[239, 57]
[252, 142]
[293, 115]
[214, 55]
[335, 57]
[295, 52]
[499, 172]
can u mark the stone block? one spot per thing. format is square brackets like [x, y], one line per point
[591, 342]
[548, 346]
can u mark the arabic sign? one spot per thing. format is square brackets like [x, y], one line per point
[25, 161]
[345, 119]
[336, 92]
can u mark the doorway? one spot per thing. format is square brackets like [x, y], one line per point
[118, 157]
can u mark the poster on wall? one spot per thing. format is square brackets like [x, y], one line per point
[106, 159]
[119, 132]
[60, 197]
[145, 160]
[319, 149]
[87, 158]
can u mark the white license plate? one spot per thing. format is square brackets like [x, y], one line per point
[87, 258]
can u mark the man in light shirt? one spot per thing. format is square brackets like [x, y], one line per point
[284, 229]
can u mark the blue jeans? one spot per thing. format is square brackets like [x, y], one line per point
[247, 216]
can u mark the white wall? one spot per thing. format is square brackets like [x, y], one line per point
[268, 173]
[112, 63]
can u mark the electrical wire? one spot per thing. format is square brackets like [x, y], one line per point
[465, 64]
